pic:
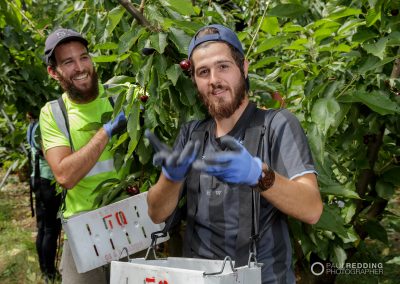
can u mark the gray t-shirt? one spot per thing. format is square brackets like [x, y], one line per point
[216, 222]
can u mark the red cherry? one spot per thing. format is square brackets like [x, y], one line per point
[144, 98]
[185, 64]
[132, 190]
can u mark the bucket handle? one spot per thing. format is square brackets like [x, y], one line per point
[125, 249]
[154, 237]
[252, 256]
[222, 269]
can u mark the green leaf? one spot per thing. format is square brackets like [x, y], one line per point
[372, 16]
[287, 10]
[120, 80]
[159, 42]
[258, 83]
[128, 39]
[378, 48]
[339, 255]
[180, 39]
[123, 57]
[376, 231]
[133, 126]
[384, 189]
[292, 28]
[331, 221]
[145, 154]
[344, 12]
[270, 25]
[378, 102]
[79, 5]
[324, 33]
[106, 46]
[373, 62]
[348, 212]
[263, 62]
[317, 144]
[114, 16]
[105, 58]
[187, 91]
[349, 27]
[118, 160]
[392, 175]
[91, 126]
[269, 44]
[144, 72]
[338, 190]
[173, 73]
[394, 260]
[342, 48]
[106, 183]
[363, 35]
[121, 139]
[394, 39]
[324, 112]
[183, 7]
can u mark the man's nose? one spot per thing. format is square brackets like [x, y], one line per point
[214, 77]
[78, 65]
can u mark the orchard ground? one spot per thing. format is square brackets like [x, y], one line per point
[18, 259]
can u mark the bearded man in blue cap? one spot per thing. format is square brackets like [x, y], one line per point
[243, 170]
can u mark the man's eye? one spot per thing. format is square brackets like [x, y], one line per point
[203, 72]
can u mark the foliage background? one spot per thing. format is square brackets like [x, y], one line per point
[334, 64]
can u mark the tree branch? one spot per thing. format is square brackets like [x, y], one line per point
[136, 14]
[141, 7]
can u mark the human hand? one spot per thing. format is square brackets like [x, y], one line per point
[175, 165]
[116, 125]
[234, 166]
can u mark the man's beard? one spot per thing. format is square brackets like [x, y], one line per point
[219, 109]
[80, 96]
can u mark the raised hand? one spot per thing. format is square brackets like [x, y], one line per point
[175, 165]
[233, 166]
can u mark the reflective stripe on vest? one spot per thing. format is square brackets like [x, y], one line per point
[101, 167]
[59, 118]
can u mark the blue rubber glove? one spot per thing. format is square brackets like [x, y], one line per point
[116, 125]
[175, 165]
[233, 166]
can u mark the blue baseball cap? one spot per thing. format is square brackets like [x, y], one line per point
[57, 37]
[224, 34]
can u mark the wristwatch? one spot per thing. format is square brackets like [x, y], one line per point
[266, 181]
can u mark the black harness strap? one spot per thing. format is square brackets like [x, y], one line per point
[249, 204]
[31, 182]
[199, 134]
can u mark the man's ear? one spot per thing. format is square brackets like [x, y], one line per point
[245, 68]
[52, 72]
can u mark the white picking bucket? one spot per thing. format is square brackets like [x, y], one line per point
[100, 236]
[178, 270]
